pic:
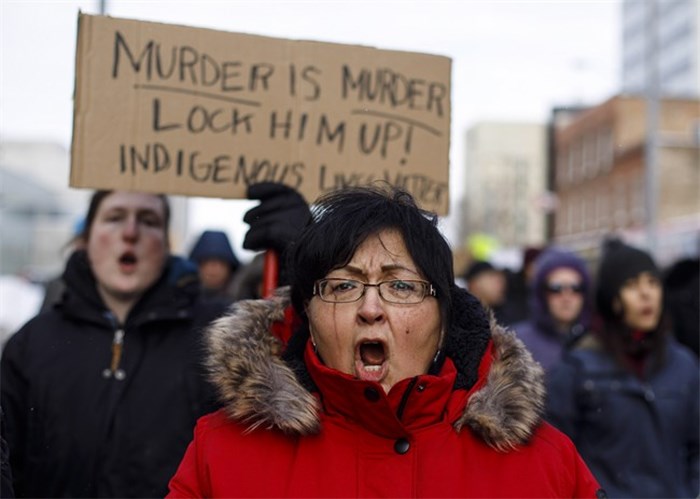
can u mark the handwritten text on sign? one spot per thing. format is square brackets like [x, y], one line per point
[183, 110]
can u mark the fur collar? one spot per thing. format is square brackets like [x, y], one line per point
[259, 389]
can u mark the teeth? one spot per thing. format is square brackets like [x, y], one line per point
[373, 368]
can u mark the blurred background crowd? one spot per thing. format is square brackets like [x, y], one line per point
[606, 146]
[572, 211]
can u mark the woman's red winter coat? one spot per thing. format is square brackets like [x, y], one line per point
[348, 438]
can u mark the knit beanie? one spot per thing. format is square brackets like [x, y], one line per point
[619, 263]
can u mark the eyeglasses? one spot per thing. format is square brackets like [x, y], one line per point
[557, 288]
[399, 291]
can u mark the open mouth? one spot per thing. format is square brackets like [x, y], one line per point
[370, 363]
[372, 354]
[128, 260]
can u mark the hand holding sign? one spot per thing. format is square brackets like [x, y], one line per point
[277, 220]
[274, 224]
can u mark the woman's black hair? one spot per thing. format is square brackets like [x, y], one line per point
[619, 263]
[342, 220]
[96, 201]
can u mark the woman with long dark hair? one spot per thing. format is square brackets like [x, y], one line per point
[628, 396]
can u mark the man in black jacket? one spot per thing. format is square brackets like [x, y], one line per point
[101, 392]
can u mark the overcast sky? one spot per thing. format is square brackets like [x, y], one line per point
[512, 60]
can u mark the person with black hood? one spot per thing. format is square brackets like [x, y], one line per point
[84, 383]
[560, 306]
[628, 395]
[102, 391]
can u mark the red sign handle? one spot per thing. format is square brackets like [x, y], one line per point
[270, 273]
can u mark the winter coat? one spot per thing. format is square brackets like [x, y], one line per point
[539, 332]
[681, 297]
[639, 436]
[78, 426]
[295, 427]
[6, 487]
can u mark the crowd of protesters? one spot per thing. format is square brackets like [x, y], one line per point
[101, 391]
[618, 341]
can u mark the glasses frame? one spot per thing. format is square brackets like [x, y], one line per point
[559, 289]
[428, 290]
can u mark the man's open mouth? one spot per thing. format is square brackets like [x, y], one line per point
[128, 260]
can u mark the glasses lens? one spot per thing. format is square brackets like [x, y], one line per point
[339, 290]
[557, 288]
[400, 291]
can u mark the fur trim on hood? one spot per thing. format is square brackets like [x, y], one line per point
[260, 389]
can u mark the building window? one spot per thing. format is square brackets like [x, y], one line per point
[602, 208]
[590, 155]
[569, 216]
[559, 169]
[605, 149]
[591, 220]
[620, 205]
[571, 164]
[581, 215]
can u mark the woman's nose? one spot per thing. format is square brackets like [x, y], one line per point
[647, 288]
[371, 308]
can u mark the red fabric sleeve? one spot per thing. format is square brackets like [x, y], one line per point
[187, 481]
[586, 484]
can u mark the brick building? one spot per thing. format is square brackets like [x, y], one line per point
[598, 175]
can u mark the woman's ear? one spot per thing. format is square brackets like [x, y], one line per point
[311, 327]
[312, 339]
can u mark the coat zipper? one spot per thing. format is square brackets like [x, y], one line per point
[404, 397]
[117, 347]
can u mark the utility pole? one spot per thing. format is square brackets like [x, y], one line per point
[651, 151]
[103, 7]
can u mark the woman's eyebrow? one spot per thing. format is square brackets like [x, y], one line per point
[392, 267]
[351, 269]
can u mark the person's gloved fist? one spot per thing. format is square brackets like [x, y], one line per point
[277, 220]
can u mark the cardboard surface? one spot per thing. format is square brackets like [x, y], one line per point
[192, 111]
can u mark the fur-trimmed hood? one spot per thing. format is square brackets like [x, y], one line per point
[259, 387]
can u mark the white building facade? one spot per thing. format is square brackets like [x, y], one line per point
[505, 183]
[676, 46]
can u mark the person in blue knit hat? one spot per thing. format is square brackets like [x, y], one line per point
[217, 263]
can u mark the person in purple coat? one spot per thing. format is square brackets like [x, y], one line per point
[560, 306]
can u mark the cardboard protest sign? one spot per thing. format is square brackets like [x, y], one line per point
[192, 111]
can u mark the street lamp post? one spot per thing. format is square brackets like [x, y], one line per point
[651, 151]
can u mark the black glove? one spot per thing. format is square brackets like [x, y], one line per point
[277, 220]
